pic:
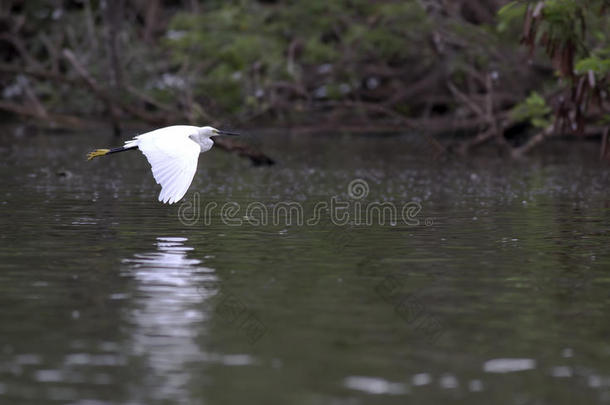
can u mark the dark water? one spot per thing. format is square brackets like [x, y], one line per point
[492, 288]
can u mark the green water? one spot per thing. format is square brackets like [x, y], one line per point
[494, 290]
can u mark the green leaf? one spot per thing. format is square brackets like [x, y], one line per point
[508, 13]
[599, 66]
[533, 109]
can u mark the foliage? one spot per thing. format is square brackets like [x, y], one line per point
[595, 63]
[250, 46]
[431, 64]
[575, 34]
[533, 109]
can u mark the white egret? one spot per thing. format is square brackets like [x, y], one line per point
[172, 153]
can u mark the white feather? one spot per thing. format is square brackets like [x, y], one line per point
[173, 155]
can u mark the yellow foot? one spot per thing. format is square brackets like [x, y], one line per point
[96, 153]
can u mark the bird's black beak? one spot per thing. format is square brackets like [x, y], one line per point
[227, 133]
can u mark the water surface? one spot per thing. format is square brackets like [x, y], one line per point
[494, 290]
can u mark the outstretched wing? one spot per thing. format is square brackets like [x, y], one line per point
[173, 160]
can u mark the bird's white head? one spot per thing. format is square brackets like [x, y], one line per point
[209, 132]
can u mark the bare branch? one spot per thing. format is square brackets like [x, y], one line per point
[533, 141]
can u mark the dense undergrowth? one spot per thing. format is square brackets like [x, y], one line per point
[479, 67]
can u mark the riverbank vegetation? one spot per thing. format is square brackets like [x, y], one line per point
[481, 70]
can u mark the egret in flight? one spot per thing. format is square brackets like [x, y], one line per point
[172, 153]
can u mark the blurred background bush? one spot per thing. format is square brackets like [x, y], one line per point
[436, 66]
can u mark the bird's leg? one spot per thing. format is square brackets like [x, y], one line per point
[102, 152]
[96, 153]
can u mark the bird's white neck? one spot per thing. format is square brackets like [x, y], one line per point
[204, 141]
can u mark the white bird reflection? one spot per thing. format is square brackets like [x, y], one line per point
[168, 317]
